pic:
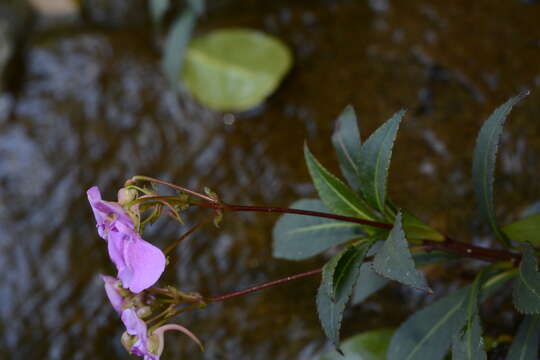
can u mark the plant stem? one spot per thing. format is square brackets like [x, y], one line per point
[262, 286]
[448, 245]
[173, 186]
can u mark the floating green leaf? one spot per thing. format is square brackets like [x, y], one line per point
[346, 140]
[339, 267]
[427, 333]
[369, 345]
[331, 309]
[525, 345]
[298, 237]
[175, 46]
[416, 229]
[337, 196]
[394, 260]
[485, 153]
[235, 69]
[526, 292]
[526, 230]
[374, 161]
[158, 8]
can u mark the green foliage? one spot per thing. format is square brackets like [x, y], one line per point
[394, 260]
[297, 237]
[234, 69]
[374, 162]
[484, 161]
[175, 46]
[335, 194]
[369, 345]
[158, 8]
[526, 230]
[346, 141]
[416, 229]
[526, 292]
[369, 282]
[468, 344]
[427, 333]
[525, 345]
[340, 267]
[330, 308]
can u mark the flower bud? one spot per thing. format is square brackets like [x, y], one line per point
[144, 312]
[126, 195]
[128, 341]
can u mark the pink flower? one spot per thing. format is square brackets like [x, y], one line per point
[112, 288]
[139, 263]
[139, 342]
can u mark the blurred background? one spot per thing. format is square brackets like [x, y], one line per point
[83, 102]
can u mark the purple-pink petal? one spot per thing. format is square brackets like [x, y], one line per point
[111, 288]
[145, 264]
[107, 213]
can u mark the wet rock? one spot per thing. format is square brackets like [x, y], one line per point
[115, 13]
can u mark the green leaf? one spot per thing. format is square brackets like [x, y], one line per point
[369, 345]
[394, 260]
[416, 229]
[427, 333]
[336, 270]
[175, 47]
[197, 5]
[330, 309]
[525, 230]
[469, 345]
[235, 69]
[334, 194]
[369, 282]
[374, 161]
[158, 8]
[297, 237]
[525, 345]
[485, 153]
[526, 292]
[346, 140]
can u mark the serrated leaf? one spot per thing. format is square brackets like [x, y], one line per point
[526, 230]
[369, 345]
[235, 69]
[337, 196]
[469, 345]
[374, 161]
[158, 8]
[416, 229]
[526, 294]
[369, 282]
[394, 260]
[331, 310]
[525, 345]
[485, 153]
[175, 46]
[346, 140]
[427, 333]
[297, 237]
[339, 267]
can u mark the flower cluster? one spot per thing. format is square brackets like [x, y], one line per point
[139, 263]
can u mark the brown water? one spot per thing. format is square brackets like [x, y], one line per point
[86, 104]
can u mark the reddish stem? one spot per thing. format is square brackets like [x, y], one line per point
[263, 286]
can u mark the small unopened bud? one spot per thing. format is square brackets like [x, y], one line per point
[128, 341]
[126, 195]
[144, 312]
[155, 344]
